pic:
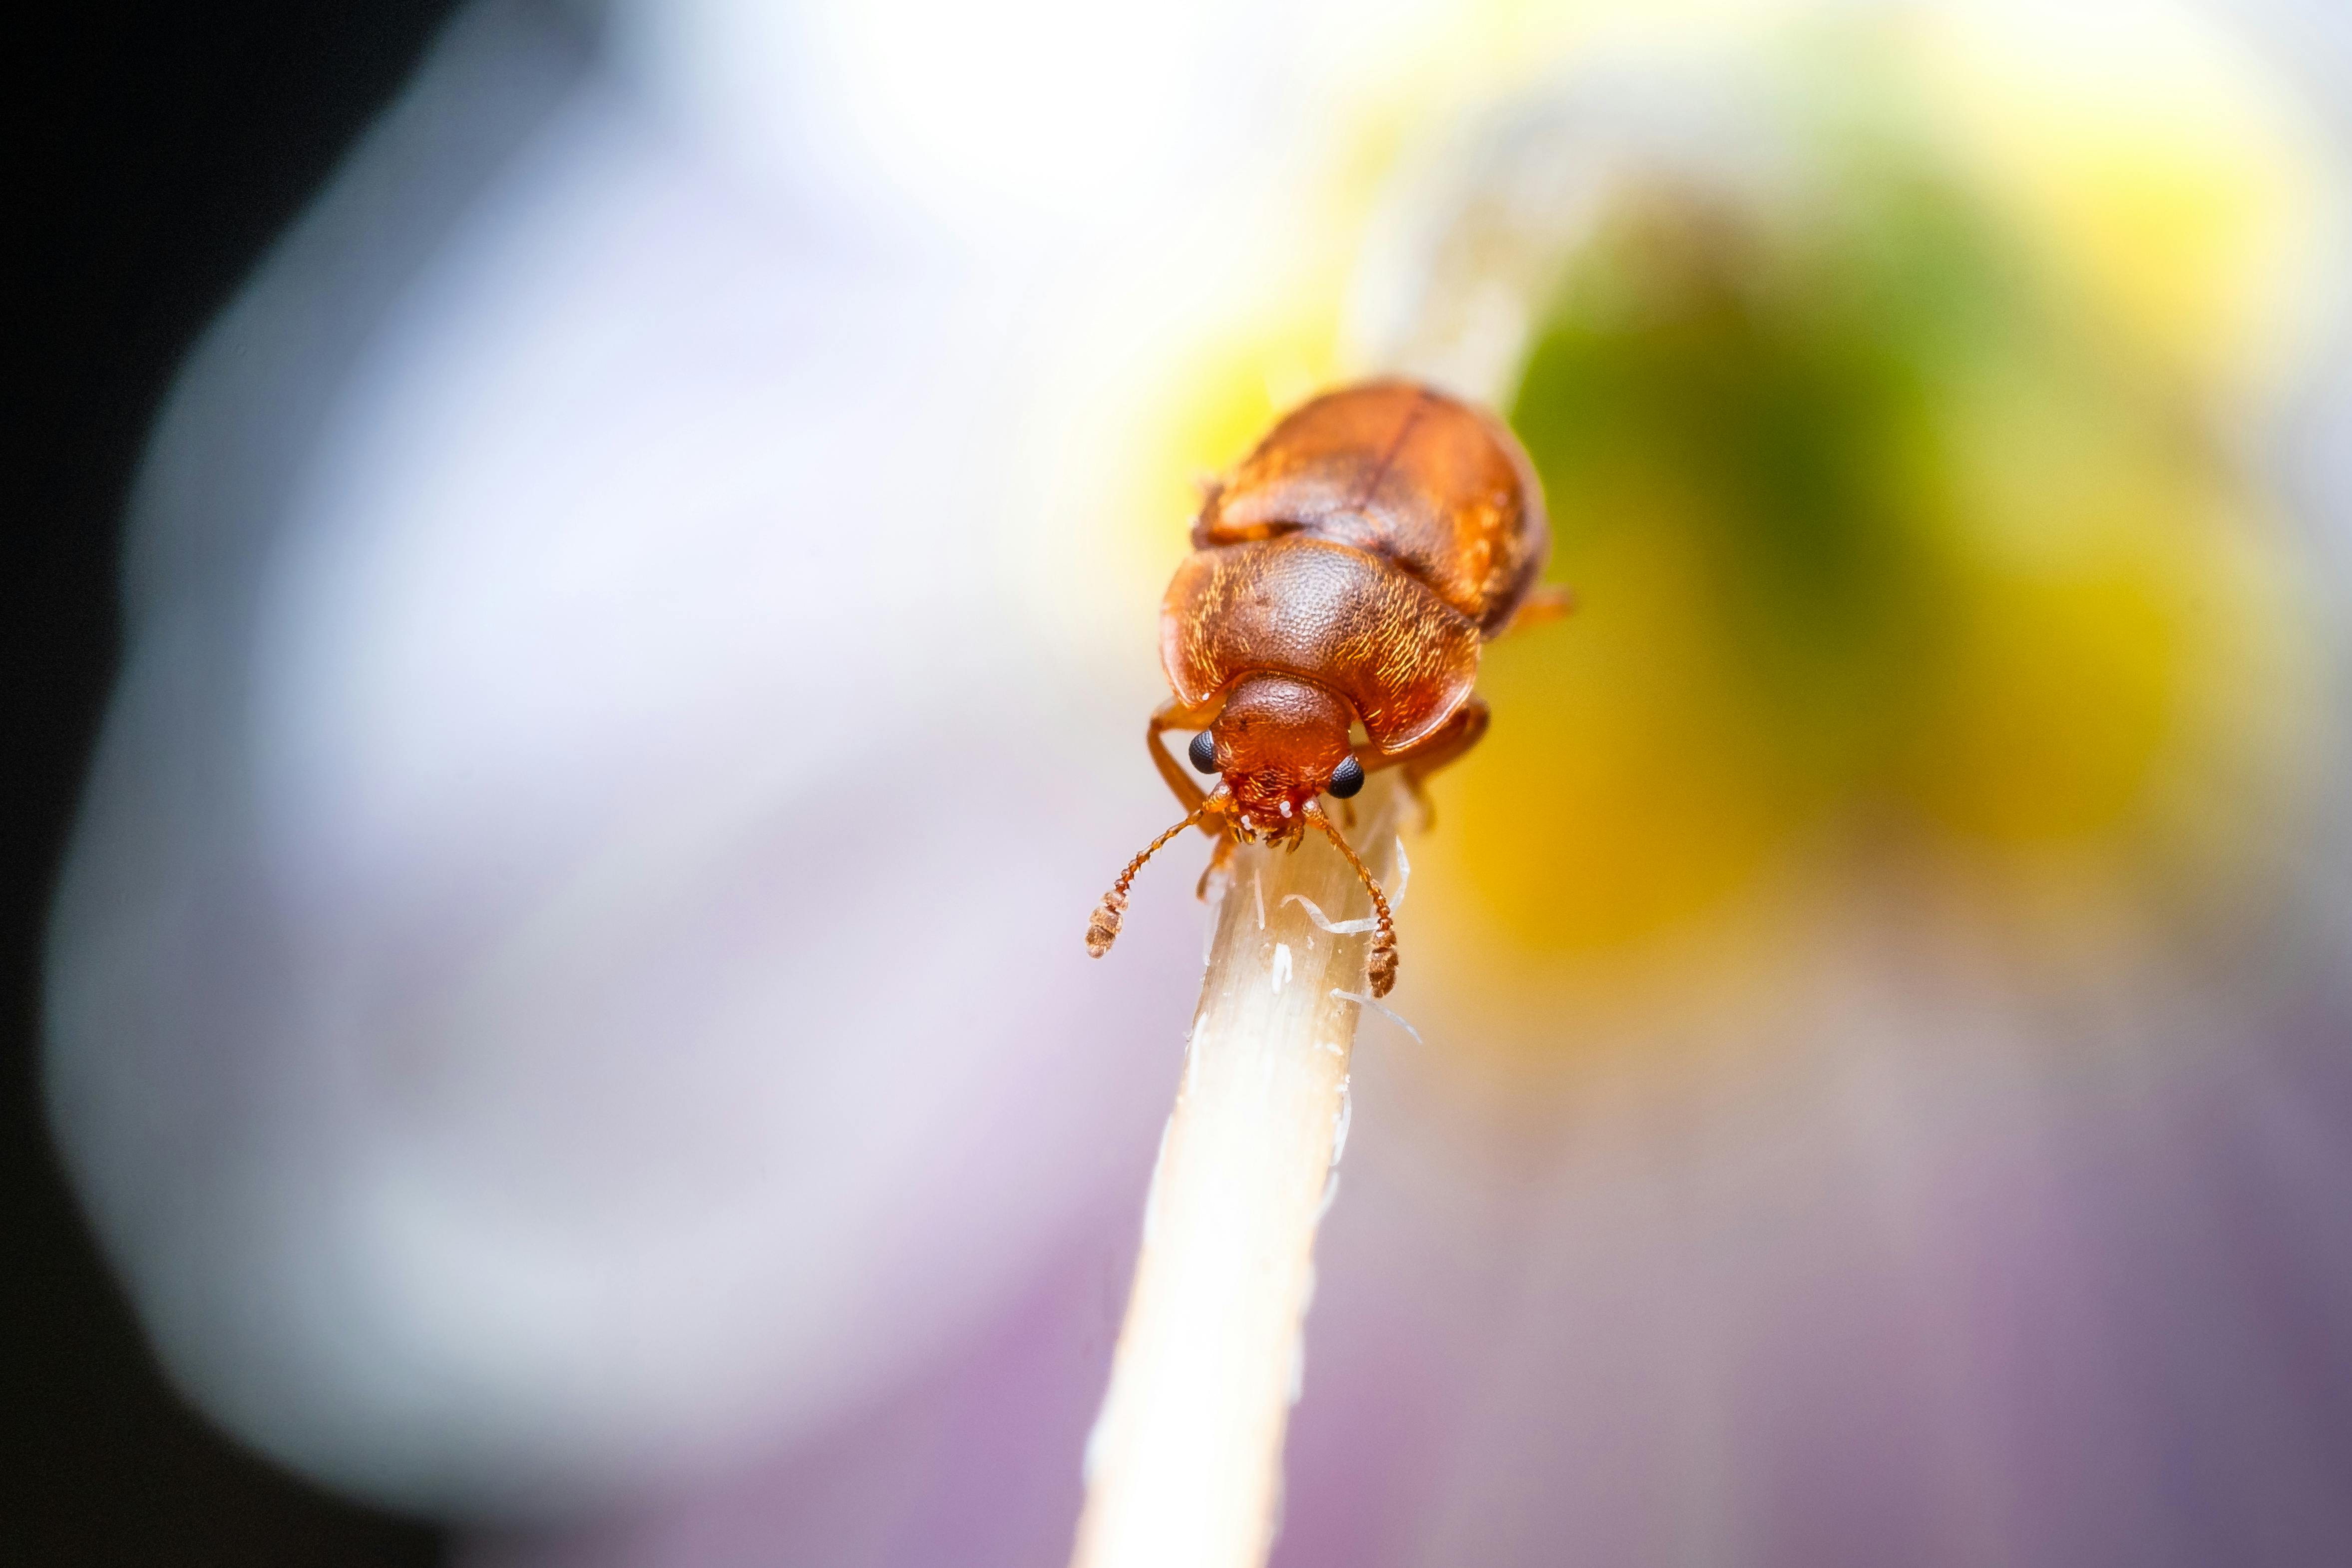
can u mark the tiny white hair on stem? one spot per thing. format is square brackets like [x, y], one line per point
[1383, 1008]
[1330, 1196]
[1219, 885]
[1152, 1196]
[1337, 928]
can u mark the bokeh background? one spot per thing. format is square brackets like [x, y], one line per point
[562, 1003]
[172, 145]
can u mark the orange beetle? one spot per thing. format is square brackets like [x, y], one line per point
[1343, 577]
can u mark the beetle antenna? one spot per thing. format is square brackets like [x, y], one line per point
[1381, 972]
[1103, 930]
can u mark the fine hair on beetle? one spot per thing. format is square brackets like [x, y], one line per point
[1343, 578]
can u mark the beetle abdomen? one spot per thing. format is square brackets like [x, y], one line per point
[1402, 473]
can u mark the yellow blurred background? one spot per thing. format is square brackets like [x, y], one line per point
[1912, 492]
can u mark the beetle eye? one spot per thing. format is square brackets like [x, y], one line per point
[1203, 752]
[1347, 778]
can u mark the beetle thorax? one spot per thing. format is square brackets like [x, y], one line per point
[1277, 743]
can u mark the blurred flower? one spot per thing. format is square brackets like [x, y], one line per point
[566, 1005]
[1904, 531]
[565, 961]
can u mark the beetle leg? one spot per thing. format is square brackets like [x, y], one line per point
[1430, 753]
[1543, 605]
[1434, 750]
[1173, 715]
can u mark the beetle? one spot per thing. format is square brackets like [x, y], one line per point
[1343, 578]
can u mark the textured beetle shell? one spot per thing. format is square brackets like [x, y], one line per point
[1370, 542]
[1327, 613]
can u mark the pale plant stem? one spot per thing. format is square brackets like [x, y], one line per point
[1184, 1467]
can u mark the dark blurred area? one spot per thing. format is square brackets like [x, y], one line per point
[175, 143]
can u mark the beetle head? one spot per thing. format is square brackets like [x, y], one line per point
[1278, 742]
